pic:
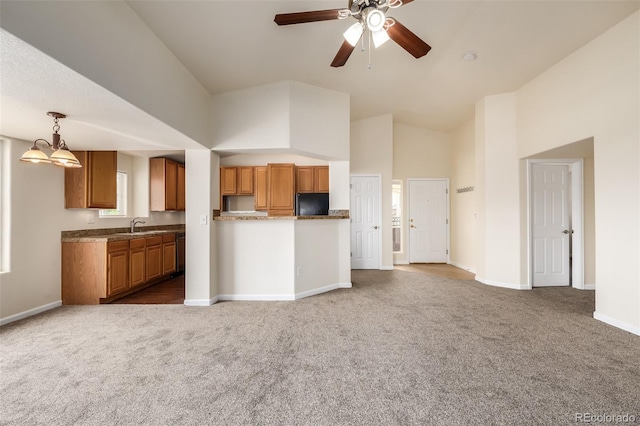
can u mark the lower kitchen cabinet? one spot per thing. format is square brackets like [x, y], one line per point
[117, 267]
[137, 262]
[95, 272]
[168, 254]
[154, 258]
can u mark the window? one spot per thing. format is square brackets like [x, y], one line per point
[396, 215]
[121, 201]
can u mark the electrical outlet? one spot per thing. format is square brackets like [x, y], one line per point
[203, 219]
[299, 271]
[91, 218]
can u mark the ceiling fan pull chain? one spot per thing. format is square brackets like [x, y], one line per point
[369, 49]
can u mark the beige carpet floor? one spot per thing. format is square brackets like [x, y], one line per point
[399, 348]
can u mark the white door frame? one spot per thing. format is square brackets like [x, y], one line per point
[448, 224]
[379, 177]
[576, 166]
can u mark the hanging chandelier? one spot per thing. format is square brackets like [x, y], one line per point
[61, 155]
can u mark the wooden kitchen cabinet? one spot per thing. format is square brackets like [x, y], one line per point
[281, 189]
[117, 267]
[321, 179]
[137, 262]
[312, 179]
[245, 180]
[182, 187]
[228, 180]
[94, 185]
[95, 272]
[304, 179]
[261, 186]
[168, 254]
[236, 180]
[154, 258]
[165, 185]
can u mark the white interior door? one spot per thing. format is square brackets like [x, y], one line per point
[551, 225]
[365, 222]
[428, 221]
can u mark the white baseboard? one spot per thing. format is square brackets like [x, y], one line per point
[401, 262]
[200, 302]
[617, 323]
[317, 291]
[466, 268]
[589, 287]
[500, 284]
[257, 297]
[283, 297]
[386, 268]
[30, 312]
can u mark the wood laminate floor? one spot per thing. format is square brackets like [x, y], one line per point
[164, 293]
[441, 269]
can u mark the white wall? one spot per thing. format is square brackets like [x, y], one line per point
[463, 207]
[257, 259]
[372, 153]
[256, 118]
[417, 153]
[595, 93]
[202, 197]
[317, 253]
[31, 280]
[89, 37]
[285, 117]
[319, 121]
[498, 245]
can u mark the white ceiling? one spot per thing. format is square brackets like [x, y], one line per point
[229, 45]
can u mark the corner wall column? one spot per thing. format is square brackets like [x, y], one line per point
[202, 181]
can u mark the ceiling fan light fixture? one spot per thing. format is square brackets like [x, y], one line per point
[375, 20]
[379, 37]
[353, 34]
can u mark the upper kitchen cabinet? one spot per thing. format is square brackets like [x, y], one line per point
[261, 187]
[182, 199]
[281, 189]
[236, 180]
[93, 185]
[166, 185]
[312, 179]
[321, 179]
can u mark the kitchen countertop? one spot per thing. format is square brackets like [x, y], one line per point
[117, 234]
[333, 214]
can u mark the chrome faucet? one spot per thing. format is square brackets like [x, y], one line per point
[134, 222]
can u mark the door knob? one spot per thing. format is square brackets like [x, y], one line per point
[566, 231]
[375, 227]
[413, 226]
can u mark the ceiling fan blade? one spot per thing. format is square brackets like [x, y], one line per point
[343, 54]
[304, 17]
[408, 40]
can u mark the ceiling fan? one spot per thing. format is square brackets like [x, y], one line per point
[370, 15]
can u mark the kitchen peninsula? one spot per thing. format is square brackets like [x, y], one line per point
[281, 257]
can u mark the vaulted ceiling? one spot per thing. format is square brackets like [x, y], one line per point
[230, 45]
